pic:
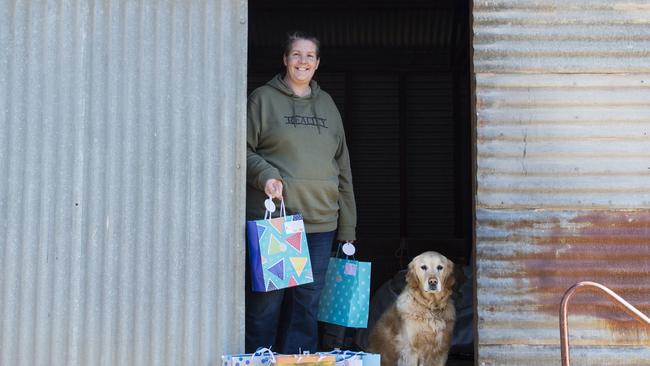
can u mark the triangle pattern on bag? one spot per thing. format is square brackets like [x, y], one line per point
[295, 241]
[275, 246]
[292, 282]
[271, 286]
[278, 269]
[298, 264]
[278, 224]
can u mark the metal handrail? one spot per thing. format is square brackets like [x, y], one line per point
[564, 322]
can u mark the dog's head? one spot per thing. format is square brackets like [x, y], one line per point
[431, 273]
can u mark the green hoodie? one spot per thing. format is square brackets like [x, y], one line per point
[300, 140]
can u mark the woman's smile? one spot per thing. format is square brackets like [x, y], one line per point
[301, 62]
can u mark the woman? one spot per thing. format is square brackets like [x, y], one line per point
[297, 152]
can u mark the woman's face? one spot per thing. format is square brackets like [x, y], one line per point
[301, 62]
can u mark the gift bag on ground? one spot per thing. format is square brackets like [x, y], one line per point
[278, 252]
[370, 359]
[263, 357]
[346, 295]
[345, 358]
[305, 360]
[350, 358]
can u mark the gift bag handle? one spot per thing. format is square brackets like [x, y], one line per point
[262, 351]
[268, 214]
[346, 256]
[347, 354]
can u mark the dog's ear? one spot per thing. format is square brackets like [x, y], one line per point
[411, 276]
[450, 279]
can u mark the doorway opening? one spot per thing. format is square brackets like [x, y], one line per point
[399, 72]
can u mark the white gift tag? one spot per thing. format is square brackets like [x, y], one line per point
[292, 227]
[270, 206]
[349, 249]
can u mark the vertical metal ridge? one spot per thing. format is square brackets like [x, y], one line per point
[59, 336]
[149, 22]
[195, 66]
[77, 98]
[6, 67]
[32, 202]
[215, 209]
[125, 270]
[235, 118]
[101, 174]
[11, 265]
[223, 95]
[161, 131]
[158, 182]
[178, 177]
[47, 243]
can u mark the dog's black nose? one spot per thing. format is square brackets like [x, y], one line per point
[433, 283]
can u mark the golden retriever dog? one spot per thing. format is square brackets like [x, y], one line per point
[417, 329]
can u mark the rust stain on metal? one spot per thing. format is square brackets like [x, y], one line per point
[529, 258]
[607, 293]
[608, 247]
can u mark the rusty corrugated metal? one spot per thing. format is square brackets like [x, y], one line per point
[122, 134]
[563, 177]
[526, 259]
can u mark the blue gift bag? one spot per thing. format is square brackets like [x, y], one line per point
[278, 252]
[346, 295]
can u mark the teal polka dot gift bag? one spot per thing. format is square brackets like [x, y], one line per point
[346, 295]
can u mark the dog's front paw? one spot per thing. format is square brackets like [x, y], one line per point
[407, 358]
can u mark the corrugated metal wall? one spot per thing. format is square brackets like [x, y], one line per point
[121, 185]
[563, 177]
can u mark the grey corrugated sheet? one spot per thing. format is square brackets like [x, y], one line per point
[563, 141]
[563, 179]
[121, 200]
[577, 36]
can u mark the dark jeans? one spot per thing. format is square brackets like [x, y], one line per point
[286, 319]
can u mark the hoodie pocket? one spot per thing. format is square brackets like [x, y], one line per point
[316, 200]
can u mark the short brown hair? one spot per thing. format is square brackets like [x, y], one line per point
[299, 35]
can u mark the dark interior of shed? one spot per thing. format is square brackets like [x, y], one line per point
[399, 72]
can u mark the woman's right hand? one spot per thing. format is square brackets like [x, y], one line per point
[273, 188]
